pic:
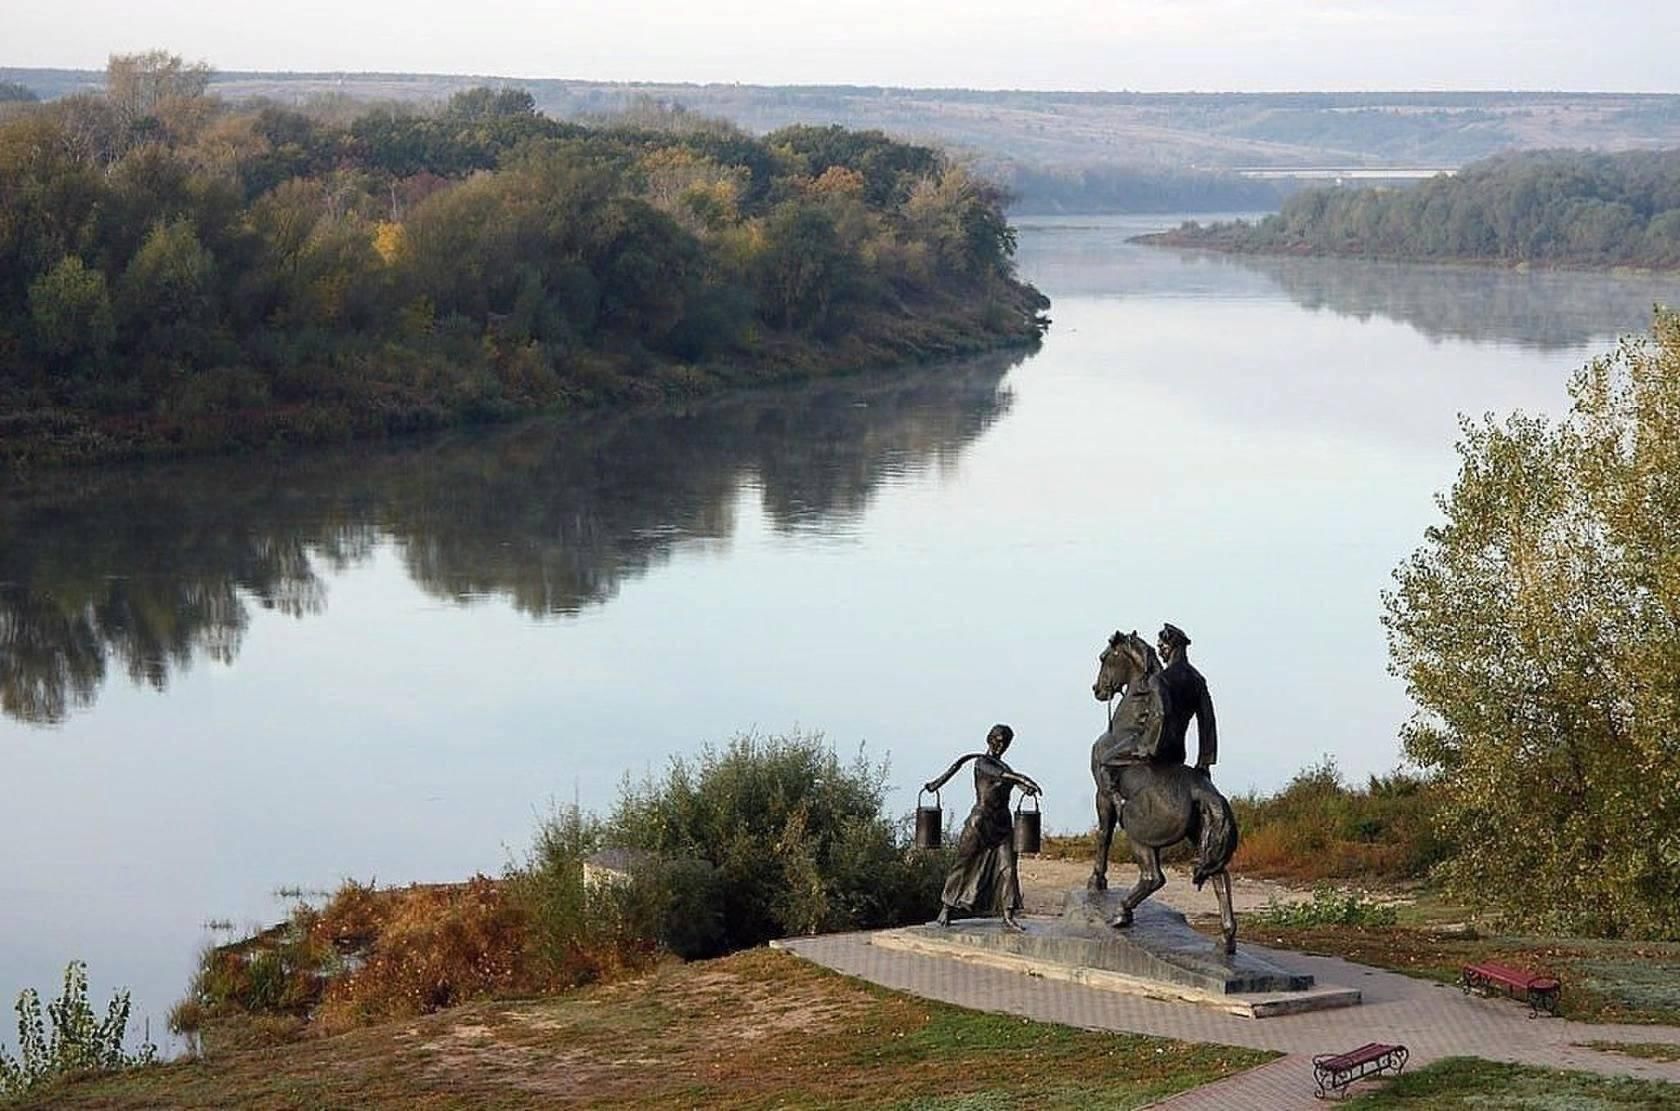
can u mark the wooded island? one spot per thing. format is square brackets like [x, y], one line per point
[1543, 208]
[185, 274]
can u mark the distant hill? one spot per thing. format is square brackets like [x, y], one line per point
[1092, 151]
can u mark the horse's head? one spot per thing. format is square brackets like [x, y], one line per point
[1127, 658]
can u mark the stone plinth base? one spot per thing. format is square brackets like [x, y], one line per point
[1159, 956]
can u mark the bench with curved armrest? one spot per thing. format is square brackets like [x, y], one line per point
[1539, 992]
[1333, 1072]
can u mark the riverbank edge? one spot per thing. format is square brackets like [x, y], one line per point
[41, 440]
[1178, 240]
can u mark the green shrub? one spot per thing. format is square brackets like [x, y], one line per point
[581, 932]
[79, 1041]
[680, 900]
[796, 839]
[1327, 908]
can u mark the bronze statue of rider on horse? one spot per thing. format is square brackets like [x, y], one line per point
[1143, 785]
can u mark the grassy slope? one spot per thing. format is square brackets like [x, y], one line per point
[1603, 981]
[759, 1029]
[1650, 1051]
[1469, 1082]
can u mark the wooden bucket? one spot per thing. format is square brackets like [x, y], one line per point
[930, 822]
[1028, 826]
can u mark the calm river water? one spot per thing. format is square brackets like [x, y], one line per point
[225, 678]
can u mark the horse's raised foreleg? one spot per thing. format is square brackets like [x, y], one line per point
[1107, 816]
[1150, 880]
[1227, 916]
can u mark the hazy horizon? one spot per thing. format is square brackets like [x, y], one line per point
[222, 71]
[1066, 45]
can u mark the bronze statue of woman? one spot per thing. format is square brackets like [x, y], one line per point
[984, 880]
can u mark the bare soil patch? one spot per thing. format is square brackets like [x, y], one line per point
[1045, 880]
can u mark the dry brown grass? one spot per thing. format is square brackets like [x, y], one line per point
[372, 955]
[758, 1029]
[1284, 851]
[422, 949]
[1320, 828]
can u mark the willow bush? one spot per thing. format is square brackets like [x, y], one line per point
[792, 839]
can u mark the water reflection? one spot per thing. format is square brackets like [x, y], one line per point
[147, 571]
[1546, 310]
[143, 580]
[1543, 310]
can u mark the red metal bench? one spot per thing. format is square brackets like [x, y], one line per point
[1539, 992]
[1333, 1072]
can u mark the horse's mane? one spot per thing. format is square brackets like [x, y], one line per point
[1140, 647]
[1151, 659]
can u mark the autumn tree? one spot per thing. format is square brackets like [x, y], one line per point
[961, 218]
[1538, 632]
[138, 84]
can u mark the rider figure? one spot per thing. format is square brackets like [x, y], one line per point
[1186, 697]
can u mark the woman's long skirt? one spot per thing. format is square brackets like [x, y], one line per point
[984, 881]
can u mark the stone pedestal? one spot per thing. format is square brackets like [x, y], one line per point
[1159, 956]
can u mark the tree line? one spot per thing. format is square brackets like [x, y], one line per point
[1561, 208]
[180, 271]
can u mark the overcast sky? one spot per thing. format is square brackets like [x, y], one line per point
[1621, 45]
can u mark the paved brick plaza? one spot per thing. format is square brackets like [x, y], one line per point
[1432, 1020]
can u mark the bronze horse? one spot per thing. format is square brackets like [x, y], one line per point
[1157, 805]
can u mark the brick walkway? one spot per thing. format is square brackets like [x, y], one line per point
[1432, 1020]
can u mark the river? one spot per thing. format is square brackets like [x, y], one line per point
[222, 679]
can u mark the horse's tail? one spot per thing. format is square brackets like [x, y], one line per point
[1218, 842]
